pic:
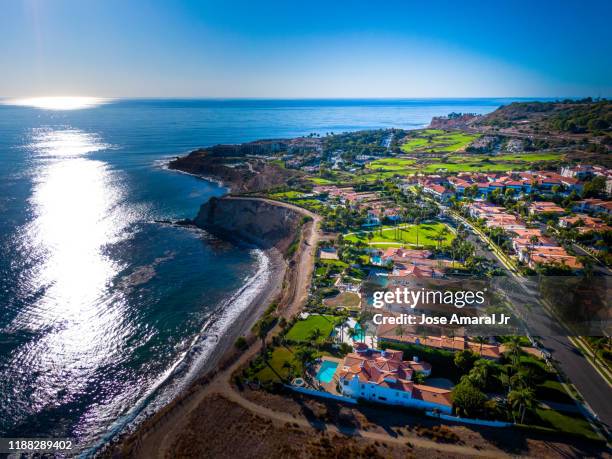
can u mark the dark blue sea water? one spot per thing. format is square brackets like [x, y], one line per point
[105, 313]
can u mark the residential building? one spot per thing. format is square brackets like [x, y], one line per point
[438, 192]
[594, 205]
[449, 343]
[545, 207]
[383, 377]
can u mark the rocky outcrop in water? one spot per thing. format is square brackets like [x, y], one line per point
[255, 220]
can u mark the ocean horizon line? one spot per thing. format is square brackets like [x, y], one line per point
[390, 98]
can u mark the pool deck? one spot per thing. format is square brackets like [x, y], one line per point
[330, 386]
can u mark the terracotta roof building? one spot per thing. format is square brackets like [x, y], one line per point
[382, 376]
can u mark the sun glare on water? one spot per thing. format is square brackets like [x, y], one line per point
[77, 213]
[57, 103]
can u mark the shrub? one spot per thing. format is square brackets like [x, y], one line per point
[241, 343]
[464, 360]
[468, 400]
[441, 434]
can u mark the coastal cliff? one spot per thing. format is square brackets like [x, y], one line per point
[454, 121]
[241, 174]
[255, 220]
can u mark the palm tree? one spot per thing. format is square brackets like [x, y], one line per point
[514, 350]
[417, 222]
[342, 322]
[520, 400]
[314, 336]
[481, 373]
[473, 378]
[362, 321]
[304, 355]
[262, 333]
[533, 241]
[506, 380]
[441, 236]
[481, 340]
[289, 367]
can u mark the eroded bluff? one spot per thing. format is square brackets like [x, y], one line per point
[257, 221]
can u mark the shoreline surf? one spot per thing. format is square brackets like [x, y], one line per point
[232, 318]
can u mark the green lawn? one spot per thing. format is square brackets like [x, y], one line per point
[337, 263]
[529, 157]
[372, 177]
[320, 181]
[563, 422]
[432, 131]
[302, 329]
[437, 140]
[553, 391]
[274, 371]
[388, 236]
[311, 204]
[391, 164]
[386, 168]
[416, 144]
[473, 166]
[287, 195]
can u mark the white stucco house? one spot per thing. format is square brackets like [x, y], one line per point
[383, 377]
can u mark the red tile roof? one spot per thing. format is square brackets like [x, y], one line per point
[432, 395]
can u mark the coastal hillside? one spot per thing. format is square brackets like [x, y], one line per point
[581, 129]
[258, 221]
[241, 174]
[583, 116]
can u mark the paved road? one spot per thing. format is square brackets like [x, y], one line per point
[594, 389]
[598, 267]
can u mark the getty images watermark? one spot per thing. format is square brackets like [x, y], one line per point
[412, 298]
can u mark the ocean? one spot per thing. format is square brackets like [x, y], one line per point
[105, 313]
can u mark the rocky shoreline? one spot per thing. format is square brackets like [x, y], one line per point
[266, 224]
[236, 170]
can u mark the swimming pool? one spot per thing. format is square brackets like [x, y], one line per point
[326, 371]
[359, 336]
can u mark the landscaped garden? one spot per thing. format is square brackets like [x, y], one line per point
[424, 234]
[302, 330]
[438, 140]
[534, 397]
[278, 367]
[391, 164]
[385, 168]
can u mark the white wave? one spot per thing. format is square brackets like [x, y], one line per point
[189, 363]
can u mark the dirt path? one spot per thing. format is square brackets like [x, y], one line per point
[157, 441]
[285, 418]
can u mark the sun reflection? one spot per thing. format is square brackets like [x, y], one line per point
[65, 143]
[77, 207]
[58, 103]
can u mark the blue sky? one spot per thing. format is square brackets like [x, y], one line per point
[283, 49]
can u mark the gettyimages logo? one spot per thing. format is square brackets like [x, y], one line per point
[411, 298]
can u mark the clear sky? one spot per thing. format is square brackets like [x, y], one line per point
[295, 49]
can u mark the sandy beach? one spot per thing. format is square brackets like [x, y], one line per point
[247, 318]
[288, 285]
